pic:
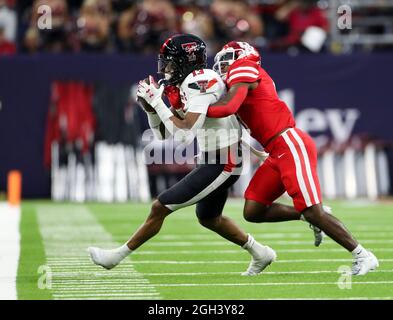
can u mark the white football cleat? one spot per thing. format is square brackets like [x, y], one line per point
[105, 258]
[318, 233]
[258, 265]
[363, 264]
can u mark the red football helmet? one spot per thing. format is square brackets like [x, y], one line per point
[232, 51]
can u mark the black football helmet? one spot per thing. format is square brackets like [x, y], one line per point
[180, 55]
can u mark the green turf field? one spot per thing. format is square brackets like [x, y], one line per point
[186, 261]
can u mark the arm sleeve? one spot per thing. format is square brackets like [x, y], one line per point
[231, 107]
[154, 123]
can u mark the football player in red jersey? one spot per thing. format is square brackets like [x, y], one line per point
[182, 61]
[292, 162]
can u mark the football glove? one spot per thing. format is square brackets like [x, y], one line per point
[150, 92]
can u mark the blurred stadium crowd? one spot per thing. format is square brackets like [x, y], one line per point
[142, 25]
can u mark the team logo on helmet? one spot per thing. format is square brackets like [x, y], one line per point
[183, 53]
[190, 48]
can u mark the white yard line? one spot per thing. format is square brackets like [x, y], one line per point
[193, 243]
[67, 232]
[274, 284]
[176, 274]
[9, 250]
[219, 252]
[271, 235]
[243, 261]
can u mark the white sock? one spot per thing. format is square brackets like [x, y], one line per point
[253, 247]
[359, 251]
[124, 251]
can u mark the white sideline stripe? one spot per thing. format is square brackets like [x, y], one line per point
[307, 164]
[67, 232]
[242, 261]
[298, 167]
[9, 250]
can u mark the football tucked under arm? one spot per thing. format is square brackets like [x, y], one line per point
[193, 120]
[174, 122]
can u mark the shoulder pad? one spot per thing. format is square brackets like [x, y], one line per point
[203, 81]
[244, 63]
[243, 70]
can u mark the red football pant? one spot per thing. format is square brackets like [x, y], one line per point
[292, 167]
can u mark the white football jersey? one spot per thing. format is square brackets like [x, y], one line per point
[200, 89]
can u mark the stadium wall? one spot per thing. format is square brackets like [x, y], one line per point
[333, 97]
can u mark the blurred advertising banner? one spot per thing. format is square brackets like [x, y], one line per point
[344, 102]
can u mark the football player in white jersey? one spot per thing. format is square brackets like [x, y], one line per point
[182, 60]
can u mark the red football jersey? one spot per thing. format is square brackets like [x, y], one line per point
[262, 111]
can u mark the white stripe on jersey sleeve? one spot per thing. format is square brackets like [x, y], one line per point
[243, 74]
[251, 69]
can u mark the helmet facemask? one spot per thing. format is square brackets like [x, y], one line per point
[231, 52]
[224, 59]
[168, 68]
